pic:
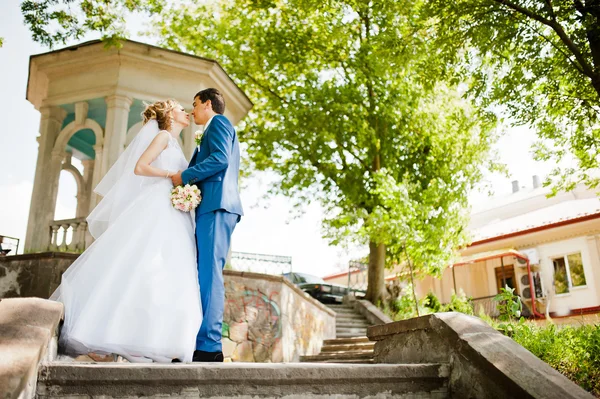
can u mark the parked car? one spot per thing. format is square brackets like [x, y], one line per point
[319, 289]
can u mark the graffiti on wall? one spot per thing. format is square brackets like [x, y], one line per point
[252, 323]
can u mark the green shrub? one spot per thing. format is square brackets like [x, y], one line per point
[509, 305]
[404, 306]
[432, 302]
[573, 351]
[459, 303]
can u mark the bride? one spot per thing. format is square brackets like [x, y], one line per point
[134, 291]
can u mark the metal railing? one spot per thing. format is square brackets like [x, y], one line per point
[260, 263]
[490, 306]
[357, 275]
[9, 245]
[487, 304]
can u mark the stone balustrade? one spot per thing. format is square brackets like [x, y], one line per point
[68, 235]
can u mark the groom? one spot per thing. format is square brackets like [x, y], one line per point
[214, 168]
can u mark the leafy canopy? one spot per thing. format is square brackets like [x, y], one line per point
[539, 62]
[352, 109]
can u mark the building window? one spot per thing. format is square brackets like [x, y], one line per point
[568, 273]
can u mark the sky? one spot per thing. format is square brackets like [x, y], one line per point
[266, 228]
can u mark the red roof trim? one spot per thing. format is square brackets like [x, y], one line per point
[537, 229]
[336, 275]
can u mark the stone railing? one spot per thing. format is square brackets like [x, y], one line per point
[61, 230]
[28, 336]
[484, 363]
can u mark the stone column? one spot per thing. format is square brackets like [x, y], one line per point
[38, 232]
[117, 115]
[593, 243]
[54, 168]
[189, 144]
[96, 176]
[83, 203]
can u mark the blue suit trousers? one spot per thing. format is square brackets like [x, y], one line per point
[213, 238]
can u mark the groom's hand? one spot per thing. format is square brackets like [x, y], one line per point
[176, 179]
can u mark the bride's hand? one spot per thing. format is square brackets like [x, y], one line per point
[176, 179]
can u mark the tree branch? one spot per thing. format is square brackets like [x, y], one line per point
[262, 86]
[557, 48]
[587, 68]
[550, 9]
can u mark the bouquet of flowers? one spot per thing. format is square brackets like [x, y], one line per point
[185, 198]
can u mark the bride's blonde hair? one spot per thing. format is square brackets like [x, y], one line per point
[161, 111]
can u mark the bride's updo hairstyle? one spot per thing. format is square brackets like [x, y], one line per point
[161, 111]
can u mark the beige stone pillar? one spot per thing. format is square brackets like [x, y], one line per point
[189, 144]
[96, 176]
[83, 203]
[115, 132]
[38, 223]
[54, 168]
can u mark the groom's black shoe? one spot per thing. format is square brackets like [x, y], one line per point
[202, 356]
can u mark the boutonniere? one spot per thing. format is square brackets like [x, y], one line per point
[198, 138]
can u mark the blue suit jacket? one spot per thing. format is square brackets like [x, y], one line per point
[215, 168]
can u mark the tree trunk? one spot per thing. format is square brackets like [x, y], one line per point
[376, 276]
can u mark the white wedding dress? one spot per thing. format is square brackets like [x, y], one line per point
[134, 291]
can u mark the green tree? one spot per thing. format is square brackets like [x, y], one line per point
[539, 61]
[350, 109]
[353, 109]
[53, 22]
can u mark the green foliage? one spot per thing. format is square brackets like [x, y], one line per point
[459, 303]
[573, 351]
[53, 22]
[509, 305]
[1, 41]
[404, 306]
[432, 302]
[351, 112]
[538, 61]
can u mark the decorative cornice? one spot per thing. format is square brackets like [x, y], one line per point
[118, 101]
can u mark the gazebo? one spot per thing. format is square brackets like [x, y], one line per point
[90, 99]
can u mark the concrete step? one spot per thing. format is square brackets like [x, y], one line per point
[348, 347]
[344, 310]
[348, 335]
[352, 324]
[243, 380]
[347, 361]
[362, 331]
[342, 355]
[350, 316]
[340, 341]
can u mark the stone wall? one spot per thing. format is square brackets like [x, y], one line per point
[33, 275]
[267, 319]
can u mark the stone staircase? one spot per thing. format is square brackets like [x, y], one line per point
[439, 356]
[242, 380]
[351, 344]
[348, 322]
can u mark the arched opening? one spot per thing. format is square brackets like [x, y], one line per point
[66, 203]
[81, 144]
